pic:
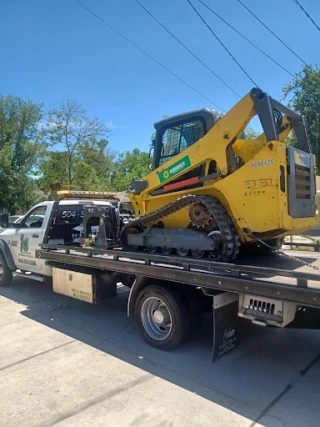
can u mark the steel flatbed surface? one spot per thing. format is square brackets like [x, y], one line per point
[279, 276]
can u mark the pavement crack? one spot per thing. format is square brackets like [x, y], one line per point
[96, 400]
[285, 390]
[11, 323]
[271, 404]
[36, 355]
[310, 365]
[236, 401]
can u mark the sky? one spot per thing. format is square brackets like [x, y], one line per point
[53, 50]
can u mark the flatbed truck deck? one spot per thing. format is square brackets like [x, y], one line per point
[168, 293]
[235, 290]
[301, 286]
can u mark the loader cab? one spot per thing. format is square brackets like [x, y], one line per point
[177, 133]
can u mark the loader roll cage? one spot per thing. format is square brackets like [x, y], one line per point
[190, 126]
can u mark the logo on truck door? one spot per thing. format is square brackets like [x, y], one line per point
[24, 244]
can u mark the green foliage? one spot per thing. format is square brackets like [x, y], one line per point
[69, 127]
[91, 170]
[250, 133]
[304, 96]
[129, 166]
[292, 140]
[20, 151]
[83, 160]
[100, 159]
[53, 171]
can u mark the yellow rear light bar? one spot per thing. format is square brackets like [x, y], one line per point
[86, 194]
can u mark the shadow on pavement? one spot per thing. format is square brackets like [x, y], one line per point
[249, 381]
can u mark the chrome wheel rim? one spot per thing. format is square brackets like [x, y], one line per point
[156, 318]
[1, 270]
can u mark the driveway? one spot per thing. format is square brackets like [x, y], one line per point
[66, 363]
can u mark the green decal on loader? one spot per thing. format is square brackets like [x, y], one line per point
[174, 169]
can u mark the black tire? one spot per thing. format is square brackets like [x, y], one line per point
[6, 276]
[176, 306]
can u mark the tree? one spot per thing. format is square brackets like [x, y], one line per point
[20, 151]
[250, 133]
[129, 166]
[53, 171]
[304, 94]
[92, 169]
[100, 158]
[69, 127]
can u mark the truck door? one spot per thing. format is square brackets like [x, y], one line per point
[28, 237]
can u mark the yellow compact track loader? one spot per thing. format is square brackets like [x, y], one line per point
[211, 190]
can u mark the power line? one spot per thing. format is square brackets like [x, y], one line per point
[146, 54]
[307, 14]
[217, 38]
[186, 48]
[245, 38]
[270, 31]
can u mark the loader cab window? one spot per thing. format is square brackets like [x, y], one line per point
[179, 137]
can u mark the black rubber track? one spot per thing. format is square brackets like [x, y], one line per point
[230, 238]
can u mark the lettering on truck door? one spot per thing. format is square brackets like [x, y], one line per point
[27, 240]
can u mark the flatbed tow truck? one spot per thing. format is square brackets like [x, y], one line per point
[168, 294]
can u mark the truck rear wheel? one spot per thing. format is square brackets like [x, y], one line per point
[5, 272]
[162, 317]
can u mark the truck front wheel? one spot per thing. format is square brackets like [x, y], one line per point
[5, 272]
[162, 317]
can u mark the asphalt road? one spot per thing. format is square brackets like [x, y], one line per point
[67, 363]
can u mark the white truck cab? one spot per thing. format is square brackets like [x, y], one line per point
[24, 240]
[19, 244]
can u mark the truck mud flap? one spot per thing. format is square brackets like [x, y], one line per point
[225, 324]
